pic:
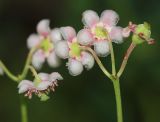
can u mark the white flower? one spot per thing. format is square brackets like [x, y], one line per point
[71, 49]
[97, 29]
[40, 86]
[46, 39]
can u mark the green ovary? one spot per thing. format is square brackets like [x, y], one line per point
[75, 49]
[46, 45]
[100, 32]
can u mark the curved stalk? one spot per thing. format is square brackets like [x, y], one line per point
[125, 60]
[8, 73]
[104, 70]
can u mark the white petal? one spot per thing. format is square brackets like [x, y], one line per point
[1, 71]
[43, 76]
[84, 37]
[55, 76]
[43, 27]
[90, 18]
[62, 49]
[109, 17]
[56, 35]
[116, 35]
[53, 60]
[126, 32]
[43, 85]
[33, 40]
[68, 33]
[25, 85]
[87, 60]
[38, 59]
[101, 48]
[75, 67]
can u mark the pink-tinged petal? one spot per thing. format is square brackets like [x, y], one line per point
[84, 37]
[102, 48]
[38, 59]
[68, 33]
[1, 71]
[43, 76]
[87, 60]
[75, 67]
[62, 49]
[55, 76]
[116, 35]
[53, 60]
[33, 40]
[43, 27]
[109, 17]
[43, 85]
[24, 86]
[126, 32]
[90, 18]
[56, 35]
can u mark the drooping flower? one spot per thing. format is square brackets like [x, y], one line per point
[40, 86]
[1, 71]
[97, 30]
[71, 49]
[46, 40]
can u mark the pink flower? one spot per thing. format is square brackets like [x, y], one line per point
[41, 85]
[98, 29]
[46, 40]
[71, 49]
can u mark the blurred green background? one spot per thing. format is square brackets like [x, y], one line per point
[88, 97]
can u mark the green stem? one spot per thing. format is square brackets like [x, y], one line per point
[8, 73]
[125, 60]
[104, 70]
[112, 57]
[24, 116]
[28, 61]
[116, 85]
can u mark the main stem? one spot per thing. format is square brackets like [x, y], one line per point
[117, 90]
[24, 116]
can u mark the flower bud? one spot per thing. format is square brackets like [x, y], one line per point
[142, 33]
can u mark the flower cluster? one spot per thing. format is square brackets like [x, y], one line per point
[65, 43]
[41, 85]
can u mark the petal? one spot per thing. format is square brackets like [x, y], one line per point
[53, 60]
[75, 67]
[87, 60]
[43, 76]
[43, 27]
[109, 17]
[56, 35]
[33, 40]
[90, 18]
[1, 71]
[25, 82]
[84, 37]
[38, 59]
[68, 33]
[43, 85]
[62, 49]
[24, 86]
[116, 35]
[126, 32]
[101, 48]
[55, 76]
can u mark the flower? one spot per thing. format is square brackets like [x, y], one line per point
[71, 49]
[97, 30]
[46, 40]
[41, 85]
[1, 71]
